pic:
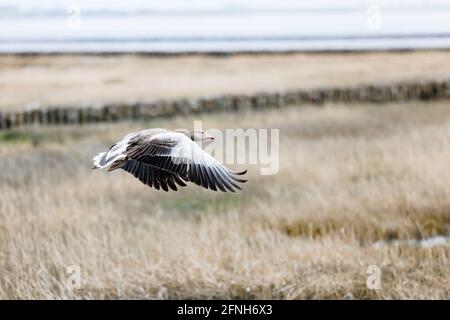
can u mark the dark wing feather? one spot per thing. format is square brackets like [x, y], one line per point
[153, 177]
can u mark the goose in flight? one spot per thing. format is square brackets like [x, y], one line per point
[166, 159]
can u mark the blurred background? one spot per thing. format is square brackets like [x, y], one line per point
[359, 91]
[221, 26]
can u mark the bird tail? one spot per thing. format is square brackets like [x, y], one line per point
[115, 153]
[99, 160]
[103, 160]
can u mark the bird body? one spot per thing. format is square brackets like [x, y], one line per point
[165, 159]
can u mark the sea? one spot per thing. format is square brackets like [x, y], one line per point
[221, 26]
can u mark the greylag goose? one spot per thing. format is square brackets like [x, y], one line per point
[166, 159]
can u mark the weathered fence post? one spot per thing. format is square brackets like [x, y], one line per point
[36, 114]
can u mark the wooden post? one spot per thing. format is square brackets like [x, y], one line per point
[136, 111]
[8, 121]
[17, 119]
[64, 115]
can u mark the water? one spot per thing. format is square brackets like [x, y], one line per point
[424, 243]
[221, 26]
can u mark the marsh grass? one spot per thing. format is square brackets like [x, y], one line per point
[350, 176]
[80, 79]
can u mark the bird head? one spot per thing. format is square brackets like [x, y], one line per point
[200, 135]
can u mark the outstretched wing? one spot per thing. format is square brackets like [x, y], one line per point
[177, 154]
[153, 177]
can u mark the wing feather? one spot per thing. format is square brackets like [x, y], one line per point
[153, 177]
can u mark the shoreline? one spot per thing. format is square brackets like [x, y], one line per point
[161, 54]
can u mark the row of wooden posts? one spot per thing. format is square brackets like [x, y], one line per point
[404, 91]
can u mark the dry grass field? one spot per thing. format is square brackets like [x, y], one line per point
[355, 183]
[67, 80]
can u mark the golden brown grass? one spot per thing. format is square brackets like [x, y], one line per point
[66, 80]
[349, 177]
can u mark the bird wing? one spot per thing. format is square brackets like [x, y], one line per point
[177, 154]
[153, 177]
